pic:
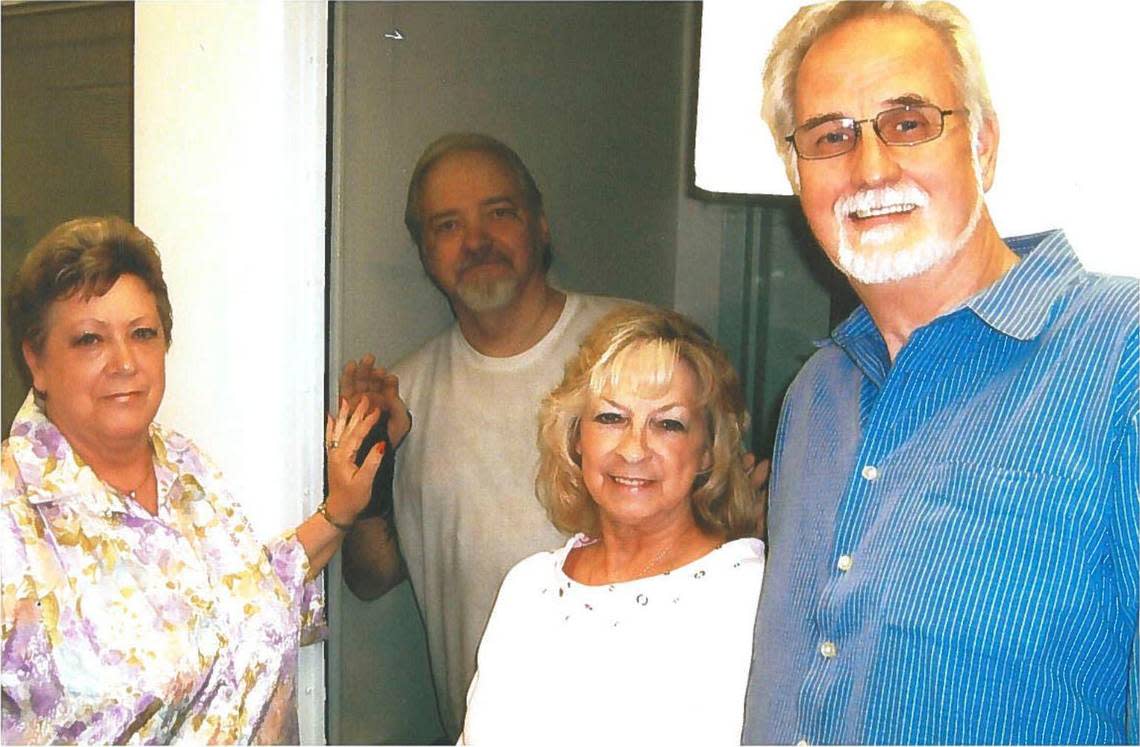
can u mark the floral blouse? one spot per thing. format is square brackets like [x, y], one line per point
[120, 626]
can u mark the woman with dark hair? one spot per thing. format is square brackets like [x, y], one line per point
[639, 629]
[138, 605]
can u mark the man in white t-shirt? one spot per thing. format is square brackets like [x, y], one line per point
[463, 489]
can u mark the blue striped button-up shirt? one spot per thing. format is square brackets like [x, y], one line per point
[953, 538]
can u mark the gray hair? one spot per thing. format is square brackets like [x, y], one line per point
[809, 23]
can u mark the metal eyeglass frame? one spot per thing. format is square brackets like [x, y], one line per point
[857, 125]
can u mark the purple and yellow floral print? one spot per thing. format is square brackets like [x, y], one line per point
[120, 626]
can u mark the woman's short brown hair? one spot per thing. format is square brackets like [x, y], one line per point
[86, 256]
[722, 499]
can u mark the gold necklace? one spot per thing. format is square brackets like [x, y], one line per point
[133, 492]
[657, 558]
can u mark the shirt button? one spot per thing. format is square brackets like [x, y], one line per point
[827, 649]
[844, 563]
[870, 472]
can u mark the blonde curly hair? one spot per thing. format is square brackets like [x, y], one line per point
[722, 498]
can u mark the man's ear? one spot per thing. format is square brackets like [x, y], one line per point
[986, 150]
[791, 167]
[543, 230]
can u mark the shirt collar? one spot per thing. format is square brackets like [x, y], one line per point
[1017, 305]
[53, 473]
[858, 336]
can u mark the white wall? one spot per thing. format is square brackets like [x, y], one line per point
[1057, 73]
[230, 183]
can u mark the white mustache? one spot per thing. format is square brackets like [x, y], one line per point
[881, 201]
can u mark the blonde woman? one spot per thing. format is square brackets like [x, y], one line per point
[639, 629]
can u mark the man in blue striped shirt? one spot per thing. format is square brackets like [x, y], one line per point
[953, 521]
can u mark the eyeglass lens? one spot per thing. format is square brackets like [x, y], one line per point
[904, 125]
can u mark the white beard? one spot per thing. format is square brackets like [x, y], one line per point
[871, 266]
[489, 295]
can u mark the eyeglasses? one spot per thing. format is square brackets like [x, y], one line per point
[903, 125]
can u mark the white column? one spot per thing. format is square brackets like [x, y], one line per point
[230, 112]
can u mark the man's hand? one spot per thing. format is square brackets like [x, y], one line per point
[363, 379]
[758, 472]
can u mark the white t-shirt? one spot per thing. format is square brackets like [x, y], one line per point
[658, 660]
[464, 498]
